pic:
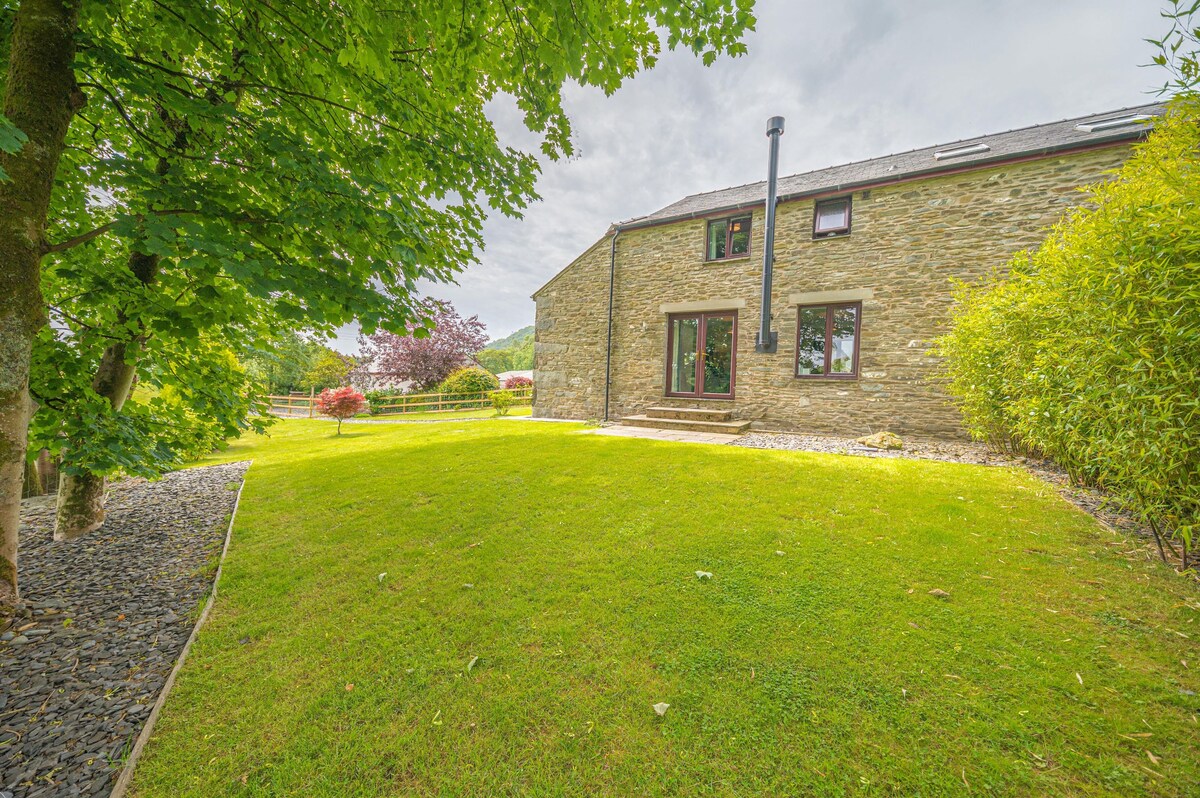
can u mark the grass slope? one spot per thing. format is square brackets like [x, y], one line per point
[1052, 669]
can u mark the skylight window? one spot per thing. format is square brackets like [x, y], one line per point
[1112, 124]
[958, 152]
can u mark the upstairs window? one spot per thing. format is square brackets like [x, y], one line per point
[728, 238]
[827, 340]
[831, 218]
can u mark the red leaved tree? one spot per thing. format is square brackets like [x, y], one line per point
[517, 383]
[424, 356]
[341, 403]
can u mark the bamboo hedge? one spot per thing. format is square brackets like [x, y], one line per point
[1087, 350]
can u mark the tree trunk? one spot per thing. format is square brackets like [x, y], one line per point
[40, 98]
[80, 507]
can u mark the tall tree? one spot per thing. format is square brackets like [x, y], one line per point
[330, 369]
[40, 97]
[306, 163]
[425, 357]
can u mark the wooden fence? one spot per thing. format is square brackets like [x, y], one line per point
[300, 406]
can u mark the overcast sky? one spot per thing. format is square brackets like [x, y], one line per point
[855, 79]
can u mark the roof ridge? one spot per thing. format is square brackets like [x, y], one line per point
[899, 153]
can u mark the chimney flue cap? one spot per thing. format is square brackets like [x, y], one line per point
[775, 125]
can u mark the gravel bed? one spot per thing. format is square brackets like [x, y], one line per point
[948, 451]
[105, 619]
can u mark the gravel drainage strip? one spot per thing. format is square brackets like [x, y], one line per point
[106, 617]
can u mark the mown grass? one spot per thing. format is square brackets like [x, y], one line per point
[565, 563]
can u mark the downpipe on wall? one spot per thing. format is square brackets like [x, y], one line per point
[612, 273]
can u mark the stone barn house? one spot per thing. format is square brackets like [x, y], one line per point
[655, 323]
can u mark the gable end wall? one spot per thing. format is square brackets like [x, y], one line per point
[909, 242]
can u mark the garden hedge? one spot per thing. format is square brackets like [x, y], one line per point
[1087, 350]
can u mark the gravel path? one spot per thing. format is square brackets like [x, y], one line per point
[948, 451]
[106, 618]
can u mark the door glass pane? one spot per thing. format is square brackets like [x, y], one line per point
[718, 354]
[841, 360]
[684, 336]
[810, 342]
[739, 236]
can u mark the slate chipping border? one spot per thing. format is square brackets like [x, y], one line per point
[108, 621]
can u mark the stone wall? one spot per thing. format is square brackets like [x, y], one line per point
[909, 242]
[569, 336]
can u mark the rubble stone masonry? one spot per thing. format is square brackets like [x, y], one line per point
[909, 242]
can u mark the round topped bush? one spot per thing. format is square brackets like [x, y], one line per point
[469, 380]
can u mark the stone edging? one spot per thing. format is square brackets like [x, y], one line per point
[126, 777]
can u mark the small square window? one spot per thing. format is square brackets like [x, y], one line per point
[728, 238]
[831, 218]
[827, 340]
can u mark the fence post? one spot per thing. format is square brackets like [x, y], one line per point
[312, 392]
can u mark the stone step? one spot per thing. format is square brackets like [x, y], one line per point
[689, 413]
[688, 425]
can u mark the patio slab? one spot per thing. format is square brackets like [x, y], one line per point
[653, 433]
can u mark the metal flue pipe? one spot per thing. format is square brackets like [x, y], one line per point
[768, 340]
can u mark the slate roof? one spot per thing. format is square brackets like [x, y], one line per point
[1037, 140]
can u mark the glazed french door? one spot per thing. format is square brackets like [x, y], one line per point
[701, 354]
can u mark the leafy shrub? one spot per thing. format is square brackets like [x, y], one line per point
[328, 370]
[517, 383]
[1089, 349]
[376, 401]
[470, 381]
[502, 401]
[341, 404]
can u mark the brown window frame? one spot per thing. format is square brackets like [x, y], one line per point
[703, 316]
[838, 232]
[830, 307]
[729, 220]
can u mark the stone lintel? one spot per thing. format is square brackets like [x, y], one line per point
[819, 297]
[702, 305]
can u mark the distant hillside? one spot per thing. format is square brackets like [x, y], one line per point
[513, 341]
[512, 353]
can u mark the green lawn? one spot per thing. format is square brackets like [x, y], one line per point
[566, 564]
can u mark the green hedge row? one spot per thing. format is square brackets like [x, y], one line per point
[1087, 350]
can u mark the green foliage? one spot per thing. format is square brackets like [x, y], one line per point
[12, 139]
[330, 369]
[503, 401]
[376, 400]
[282, 361]
[190, 400]
[469, 380]
[323, 162]
[511, 353]
[1089, 349]
[240, 171]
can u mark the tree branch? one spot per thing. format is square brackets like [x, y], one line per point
[82, 238]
